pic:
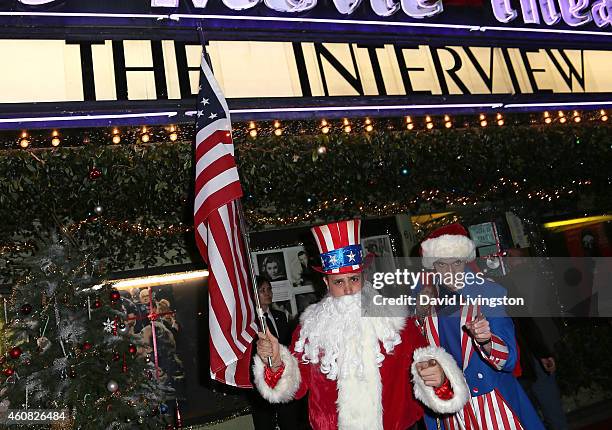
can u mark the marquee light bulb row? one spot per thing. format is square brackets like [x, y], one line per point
[146, 134]
[116, 137]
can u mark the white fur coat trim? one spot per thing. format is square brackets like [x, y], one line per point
[360, 397]
[455, 376]
[287, 385]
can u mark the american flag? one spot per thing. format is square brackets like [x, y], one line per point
[219, 237]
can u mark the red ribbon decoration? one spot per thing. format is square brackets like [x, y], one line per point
[152, 317]
[444, 391]
[272, 377]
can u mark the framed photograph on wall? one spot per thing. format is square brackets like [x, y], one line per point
[378, 249]
[271, 265]
[291, 276]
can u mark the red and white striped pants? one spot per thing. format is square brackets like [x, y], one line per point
[486, 412]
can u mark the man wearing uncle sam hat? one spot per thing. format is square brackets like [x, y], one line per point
[356, 370]
[479, 337]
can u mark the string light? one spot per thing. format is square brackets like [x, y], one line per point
[576, 116]
[321, 149]
[562, 118]
[24, 142]
[55, 139]
[447, 121]
[409, 124]
[347, 125]
[324, 126]
[252, 129]
[145, 136]
[116, 135]
[547, 118]
[603, 115]
[428, 123]
[500, 119]
[277, 128]
[483, 120]
[173, 136]
[368, 125]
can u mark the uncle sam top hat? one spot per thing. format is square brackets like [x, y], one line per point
[339, 246]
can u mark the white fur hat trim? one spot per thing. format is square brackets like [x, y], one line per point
[447, 246]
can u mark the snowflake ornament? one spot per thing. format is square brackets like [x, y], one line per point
[108, 325]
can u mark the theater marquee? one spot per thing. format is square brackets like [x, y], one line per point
[130, 70]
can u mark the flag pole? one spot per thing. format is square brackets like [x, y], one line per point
[243, 224]
[245, 237]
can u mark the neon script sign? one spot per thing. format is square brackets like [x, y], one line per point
[574, 13]
[412, 8]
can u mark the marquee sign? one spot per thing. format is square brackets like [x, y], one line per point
[593, 17]
[281, 78]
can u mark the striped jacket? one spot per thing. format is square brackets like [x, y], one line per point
[497, 400]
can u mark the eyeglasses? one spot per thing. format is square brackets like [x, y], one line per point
[441, 265]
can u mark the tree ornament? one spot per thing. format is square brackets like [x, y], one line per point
[163, 408]
[114, 296]
[94, 173]
[108, 325]
[9, 371]
[43, 344]
[123, 328]
[26, 308]
[86, 346]
[112, 386]
[132, 349]
[97, 304]
[15, 352]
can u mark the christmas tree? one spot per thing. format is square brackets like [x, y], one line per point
[69, 346]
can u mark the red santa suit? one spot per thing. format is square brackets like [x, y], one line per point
[356, 370]
[380, 398]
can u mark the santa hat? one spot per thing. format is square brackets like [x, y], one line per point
[339, 246]
[450, 241]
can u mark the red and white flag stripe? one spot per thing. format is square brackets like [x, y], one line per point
[217, 188]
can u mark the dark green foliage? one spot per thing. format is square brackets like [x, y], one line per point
[286, 177]
[67, 356]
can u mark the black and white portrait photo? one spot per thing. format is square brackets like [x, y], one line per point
[272, 266]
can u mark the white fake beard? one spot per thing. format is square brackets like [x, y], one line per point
[334, 332]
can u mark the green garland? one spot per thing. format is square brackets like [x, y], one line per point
[297, 178]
